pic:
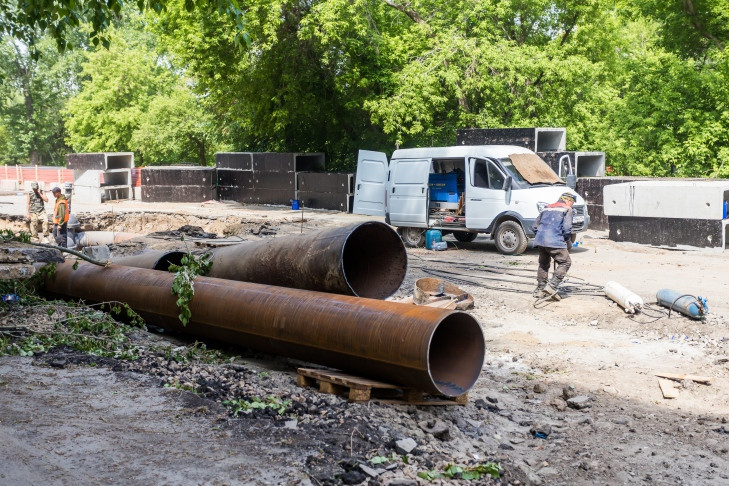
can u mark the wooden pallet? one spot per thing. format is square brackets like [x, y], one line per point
[359, 389]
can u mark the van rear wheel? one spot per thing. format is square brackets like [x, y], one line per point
[412, 237]
[510, 238]
[464, 236]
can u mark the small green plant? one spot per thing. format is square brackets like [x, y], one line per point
[9, 235]
[245, 406]
[183, 285]
[469, 473]
[385, 459]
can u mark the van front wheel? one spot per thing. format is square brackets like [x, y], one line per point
[412, 237]
[510, 238]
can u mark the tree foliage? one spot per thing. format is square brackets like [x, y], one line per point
[645, 81]
[33, 92]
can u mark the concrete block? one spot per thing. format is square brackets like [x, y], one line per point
[535, 139]
[682, 199]
[339, 183]
[100, 161]
[326, 200]
[180, 194]
[234, 160]
[235, 178]
[670, 232]
[173, 175]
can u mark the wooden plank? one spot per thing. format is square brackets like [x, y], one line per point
[707, 380]
[361, 389]
[667, 388]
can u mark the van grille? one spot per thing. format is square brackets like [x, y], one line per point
[578, 218]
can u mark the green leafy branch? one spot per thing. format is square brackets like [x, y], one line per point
[183, 285]
[469, 473]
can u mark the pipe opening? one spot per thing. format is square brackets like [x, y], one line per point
[170, 258]
[456, 354]
[374, 261]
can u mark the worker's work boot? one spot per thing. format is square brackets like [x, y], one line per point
[539, 290]
[550, 292]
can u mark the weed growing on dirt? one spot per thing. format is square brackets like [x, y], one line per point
[182, 286]
[240, 405]
[469, 473]
[196, 352]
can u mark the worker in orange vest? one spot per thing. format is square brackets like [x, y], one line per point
[60, 218]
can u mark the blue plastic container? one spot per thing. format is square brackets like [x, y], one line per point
[432, 236]
[724, 211]
[295, 204]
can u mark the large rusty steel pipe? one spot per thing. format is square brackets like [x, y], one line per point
[363, 259]
[151, 259]
[433, 350]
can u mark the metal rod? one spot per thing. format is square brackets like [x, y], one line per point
[429, 349]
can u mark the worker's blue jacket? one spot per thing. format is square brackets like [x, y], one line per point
[554, 226]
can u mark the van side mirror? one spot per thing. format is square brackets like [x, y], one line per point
[571, 181]
[507, 183]
[507, 188]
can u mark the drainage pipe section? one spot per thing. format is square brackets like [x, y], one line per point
[432, 350]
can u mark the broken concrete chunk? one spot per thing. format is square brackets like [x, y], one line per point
[580, 402]
[438, 428]
[405, 446]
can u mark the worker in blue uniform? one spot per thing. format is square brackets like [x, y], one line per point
[553, 230]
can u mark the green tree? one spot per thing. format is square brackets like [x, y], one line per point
[33, 92]
[175, 128]
[117, 88]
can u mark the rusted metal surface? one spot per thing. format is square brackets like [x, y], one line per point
[364, 259]
[151, 259]
[433, 350]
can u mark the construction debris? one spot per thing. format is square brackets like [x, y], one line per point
[434, 292]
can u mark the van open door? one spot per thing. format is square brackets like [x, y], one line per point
[407, 195]
[369, 188]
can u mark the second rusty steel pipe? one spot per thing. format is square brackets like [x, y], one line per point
[363, 259]
[433, 350]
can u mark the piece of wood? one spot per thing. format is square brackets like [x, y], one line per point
[359, 389]
[707, 380]
[667, 388]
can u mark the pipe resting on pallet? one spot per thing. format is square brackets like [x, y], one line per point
[432, 350]
[364, 259]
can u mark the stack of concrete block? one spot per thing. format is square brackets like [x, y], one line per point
[99, 177]
[548, 143]
[669, 213]
[235, 176]
[263, 177]
[177, 183]
[326, 190]
[591, 189]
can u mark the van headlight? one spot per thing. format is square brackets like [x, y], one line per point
[541, 205]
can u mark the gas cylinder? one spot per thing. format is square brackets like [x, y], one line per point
[626, 299]
[693, 307]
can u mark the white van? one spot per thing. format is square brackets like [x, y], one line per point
[498, 190]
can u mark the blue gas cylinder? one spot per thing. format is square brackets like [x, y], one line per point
[432, 236]
[688, 305]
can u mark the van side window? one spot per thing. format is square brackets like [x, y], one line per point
[487, 175]
[496, 178]
[480, 174]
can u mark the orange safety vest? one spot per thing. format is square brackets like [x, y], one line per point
[55, 210]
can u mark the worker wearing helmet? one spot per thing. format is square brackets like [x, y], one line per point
[553, 230]
[60, 218]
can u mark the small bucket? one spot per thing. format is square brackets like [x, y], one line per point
[295, 204]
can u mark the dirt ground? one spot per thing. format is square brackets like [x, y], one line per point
[82, 424]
